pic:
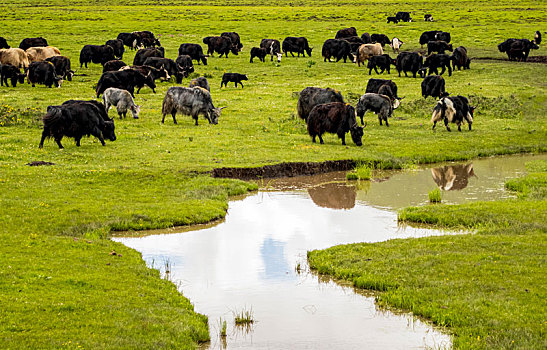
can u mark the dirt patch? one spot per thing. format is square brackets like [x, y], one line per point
[39, 163]
[284, 170]
[531, 59]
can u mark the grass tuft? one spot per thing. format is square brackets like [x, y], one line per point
[435, 196]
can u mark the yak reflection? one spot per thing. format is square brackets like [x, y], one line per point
[333, 195]
[453, 177]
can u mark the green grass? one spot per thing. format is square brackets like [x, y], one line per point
[434, 196]
[487, 287]
[361, 172]
[244, 317]
[156, 176]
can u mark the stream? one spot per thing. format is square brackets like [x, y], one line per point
[254, 261]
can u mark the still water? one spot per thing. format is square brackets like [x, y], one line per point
[248, 262]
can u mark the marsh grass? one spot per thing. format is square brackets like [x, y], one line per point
[222, 326]
[361, 172]
[434, 196]
[244, 317]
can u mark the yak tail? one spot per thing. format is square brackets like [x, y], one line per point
[438, 111]
[53, 116]
[167, 105]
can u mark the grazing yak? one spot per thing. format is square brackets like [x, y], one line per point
[168, 65]
[392, 19]
[96, 54]
[396, 44]
[459, 58]
[428, 17]
[3, 43]
[156, 73]
[15, 57]
[32, 42]
[122, 100]
[434, 86]
[453, 109]
[114, 65]
[517, 49]
[184, 63]
[221, 44]
[336, 118]
[382, 61]
[193, 50]
[438, 46]
[118, 47]
[379, 104]
[313, 96]
[436, 61]
[403, 16]
[346, 32]
[147, 38]
[366, 51]
[201, 82]
[259, 52]
[130, 40]
[143, 54]
[428, 36]
[190, 101]
[36, 54]
[537, 38]
[236, 40]
[62, 66]
[443, 36]
[273, 47]
[384, 87]
[453, 177]
[409, 62]
[43, 73]
[76, 120]
[8, 71]
[336, 48]
[381, 39]
[124, 79]
[233, 77]
[296, 44]
[366, 38]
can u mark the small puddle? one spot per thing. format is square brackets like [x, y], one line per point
[250, 260]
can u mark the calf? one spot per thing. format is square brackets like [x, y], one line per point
[396, 44]
[36, 54]
[296, 44]
[76, 120]
[62, 66]
[428, 17]
[190, 101]
[233, 77]
[273, 47]
[403, 16]
[32, 42]
[453, 109]
[382, 39]
[436, 61]
[114, 65]
[8, 71]
[221, 44]
[336, 118]
[168, 65]
[259, 52]
[118, 47]
[379, 104]
[124, 79]
[366, 51]
[382, 61]
[185, 64]
[409, 62]
[392, 19]
[122, 100]
[194, 51]
[43, 73]
[346, 32]
[384, 87]
[438, 46]
[143, 54]
[459, 58]
[236, 40]
[3, 43]
[336, 48]
[15, 57]
[313, 96]
[434, 86]
[201, 82]
[96, 54]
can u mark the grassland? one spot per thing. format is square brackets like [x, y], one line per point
[59, 282]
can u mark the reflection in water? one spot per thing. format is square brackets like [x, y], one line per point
[334, 195]
[453, 177]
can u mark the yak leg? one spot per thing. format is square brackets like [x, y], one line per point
[45, 133]
[449, 70]
[380, 118]
[376, 70]
[446, 124]
[313, 139]
[173, 113]
[434, 124]
[98, 134]
[58, 140]
[320, 139]
[77, 139]
[343, 137]
[195, 117]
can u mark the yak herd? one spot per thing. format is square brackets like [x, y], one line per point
[323, 110]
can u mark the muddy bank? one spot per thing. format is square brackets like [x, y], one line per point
[284, 169]
[531, 59]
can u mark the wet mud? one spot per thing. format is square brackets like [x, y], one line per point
[531, 59]
[284, 170]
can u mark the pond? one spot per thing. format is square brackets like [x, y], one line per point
[255, 260]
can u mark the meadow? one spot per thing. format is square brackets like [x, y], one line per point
[64, 284]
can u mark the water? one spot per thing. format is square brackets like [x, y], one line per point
[248, 262]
